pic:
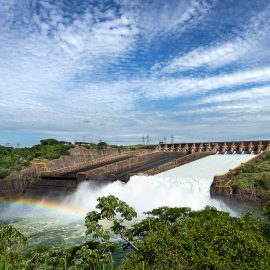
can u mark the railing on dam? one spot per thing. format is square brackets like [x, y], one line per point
[232, 147]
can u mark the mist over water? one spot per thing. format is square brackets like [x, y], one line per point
[185, 186]
[43, 227]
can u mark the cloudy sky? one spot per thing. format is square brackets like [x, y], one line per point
[118, 70]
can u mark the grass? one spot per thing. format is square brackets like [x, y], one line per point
[254, 176]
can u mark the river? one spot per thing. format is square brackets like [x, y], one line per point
[61, 224]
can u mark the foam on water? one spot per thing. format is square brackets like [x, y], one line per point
[187, 185]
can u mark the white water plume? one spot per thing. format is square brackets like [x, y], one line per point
[184, 186]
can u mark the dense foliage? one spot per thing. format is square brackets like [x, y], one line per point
[254, 175]
[168, 238]
[15, 159]
[207, 239]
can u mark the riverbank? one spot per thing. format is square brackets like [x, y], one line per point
[248, 183]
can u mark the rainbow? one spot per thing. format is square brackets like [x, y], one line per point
[55, 206]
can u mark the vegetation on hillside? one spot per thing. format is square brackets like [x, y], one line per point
[168, 238]
[14, 159]
[254, 175]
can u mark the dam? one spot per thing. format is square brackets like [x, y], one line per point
[59, 181]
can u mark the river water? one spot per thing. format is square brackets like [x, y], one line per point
[54, 225]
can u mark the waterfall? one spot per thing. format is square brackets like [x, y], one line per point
[187, 185]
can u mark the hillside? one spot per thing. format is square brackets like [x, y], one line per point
[254, 176]
[15, 159]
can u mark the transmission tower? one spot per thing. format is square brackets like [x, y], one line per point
[165, 140]
[143, 140]
[172, 139]
[147, 139]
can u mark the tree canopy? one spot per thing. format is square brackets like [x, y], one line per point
[179, 238]
[167, 238]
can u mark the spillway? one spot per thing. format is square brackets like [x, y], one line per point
[187, 185]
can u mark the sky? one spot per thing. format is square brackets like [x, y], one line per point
[119, 70]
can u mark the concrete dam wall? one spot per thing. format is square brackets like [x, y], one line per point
[224, 147]
[80, 158]
[115, 168]
[60, 177]
[122, 170]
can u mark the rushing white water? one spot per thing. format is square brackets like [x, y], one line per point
[187, 185]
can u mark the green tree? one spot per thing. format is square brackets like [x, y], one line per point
[49, 142]
[179, 238]
[15, 159]
[112, 209]
[102, 145]
[92, 255]
[206, 239]
[11, 243]
[168, 238]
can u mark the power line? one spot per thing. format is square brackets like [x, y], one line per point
[123, 141]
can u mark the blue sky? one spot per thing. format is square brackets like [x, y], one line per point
[118, 70]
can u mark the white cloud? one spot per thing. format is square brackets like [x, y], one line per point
[231, 108]
[253, 94]
[41, 59]
[174, 87]
[162, 18]
[245, 45]
[215, 56]
[56, 74]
